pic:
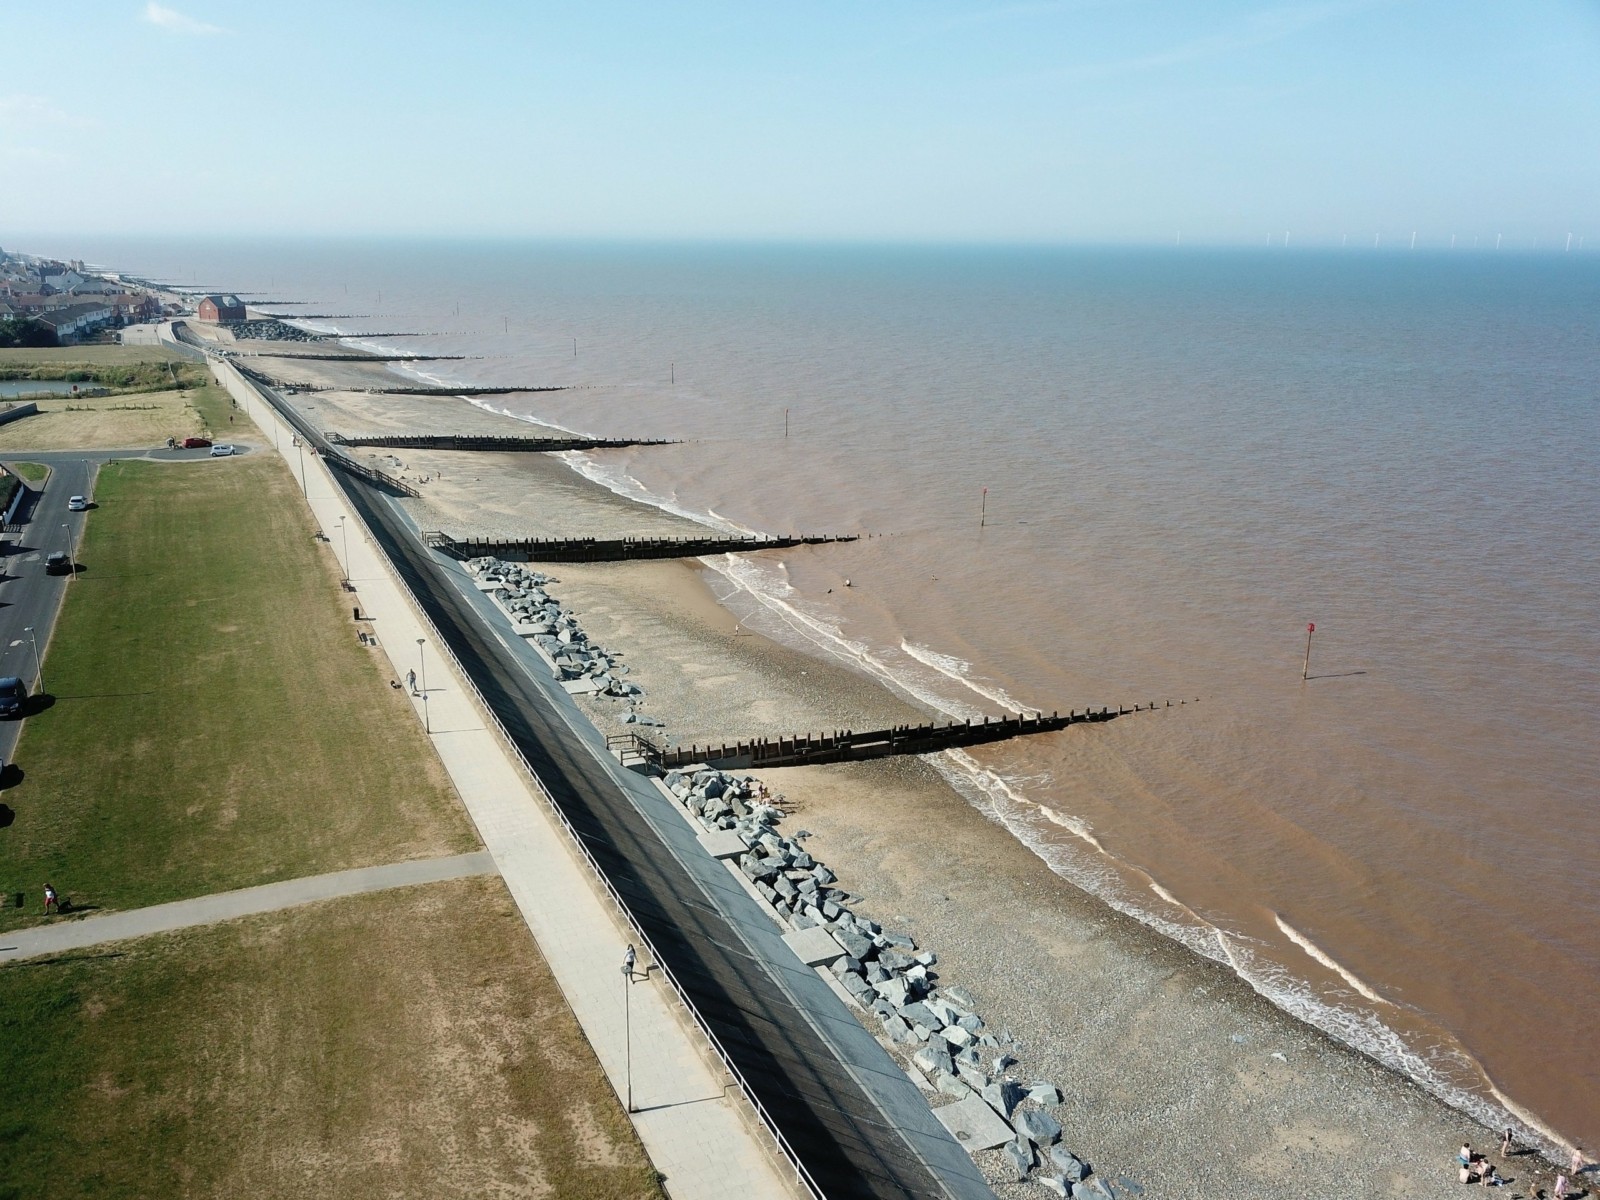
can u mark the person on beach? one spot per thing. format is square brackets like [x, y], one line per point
[1561, 1188]
[1578, 1161]
[1486, 1174]
[1505, 1144]
[1465, 1156]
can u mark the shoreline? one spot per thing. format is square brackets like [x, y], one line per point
[630, 597]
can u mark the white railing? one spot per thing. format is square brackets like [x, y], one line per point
[575, 841]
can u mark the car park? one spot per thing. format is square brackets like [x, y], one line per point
[222, 450]
[13, 696]
[78, 504]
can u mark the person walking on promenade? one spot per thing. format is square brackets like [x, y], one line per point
[50, 901]
[628, 959]
[411, 681]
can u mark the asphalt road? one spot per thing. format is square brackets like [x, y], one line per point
[29, 597]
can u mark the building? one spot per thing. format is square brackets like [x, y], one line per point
[73, 322]
[219, 309]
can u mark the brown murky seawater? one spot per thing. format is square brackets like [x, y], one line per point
[1188, 457]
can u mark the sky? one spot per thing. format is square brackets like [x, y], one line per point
[1078, 121]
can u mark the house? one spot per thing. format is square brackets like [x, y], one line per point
[219, 309]
[76, 320]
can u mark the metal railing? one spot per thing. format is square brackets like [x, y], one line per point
[575, 842]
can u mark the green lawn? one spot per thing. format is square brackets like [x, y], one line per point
[410, 1043]
[215, 722]
[32, 473]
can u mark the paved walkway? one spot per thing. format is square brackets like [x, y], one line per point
[692, 1132]
[225, 906]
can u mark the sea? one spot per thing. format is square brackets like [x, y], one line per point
[1118, 476]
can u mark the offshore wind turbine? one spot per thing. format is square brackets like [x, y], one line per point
[1413, 239]
[1497, 241]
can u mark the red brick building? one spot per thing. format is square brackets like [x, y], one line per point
[218, 309]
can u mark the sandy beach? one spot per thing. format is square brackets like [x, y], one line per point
[1180, 1080]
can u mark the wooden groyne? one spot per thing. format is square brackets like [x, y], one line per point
[373, 358]
[614, 549]
[849, 746]
[463, 441]
[454, 391]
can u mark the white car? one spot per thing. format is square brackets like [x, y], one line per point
[77, 504]
[222, 450]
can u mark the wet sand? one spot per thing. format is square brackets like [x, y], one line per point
[1178, 1077]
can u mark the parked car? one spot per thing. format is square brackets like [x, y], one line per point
[222, 450]
[78, 504]
[13, 695]
[195, 443]
[57, 563]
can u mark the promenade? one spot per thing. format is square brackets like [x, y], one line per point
[682, 1109]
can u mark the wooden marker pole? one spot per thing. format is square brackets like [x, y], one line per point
[983, 509]
[786, 423]
[674, 373]
[1305, 671]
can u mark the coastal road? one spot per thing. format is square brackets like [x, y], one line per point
[28, 596]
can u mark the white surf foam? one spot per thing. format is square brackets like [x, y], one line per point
[1316, 952]
[1437, 1069]
[961, 671]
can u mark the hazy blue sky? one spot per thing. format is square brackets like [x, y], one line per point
[1084, 120]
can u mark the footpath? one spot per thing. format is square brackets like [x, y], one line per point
[685, 1113]
[225, 906]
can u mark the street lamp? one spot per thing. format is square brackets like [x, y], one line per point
[38, 668]
[345, 535]
[72, 552]
[423, 663]
[628, 959]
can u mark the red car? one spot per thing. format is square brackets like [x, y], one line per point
[195, 443]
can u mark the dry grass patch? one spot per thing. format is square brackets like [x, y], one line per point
[408, 1043]
[105, 422]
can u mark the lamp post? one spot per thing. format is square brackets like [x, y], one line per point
[304, 491]
[423, 663]
[628, 960]
[345, 536]
[72, 551]
[38, 668]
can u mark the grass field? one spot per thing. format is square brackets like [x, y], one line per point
[215, 722]
[32, 473]
[410, 1043]
[97, 355]
[133, 419]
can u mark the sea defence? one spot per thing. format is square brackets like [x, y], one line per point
[615, 549]
[493, 443]
[811, 749]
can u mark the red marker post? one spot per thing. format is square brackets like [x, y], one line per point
[1305, 671]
